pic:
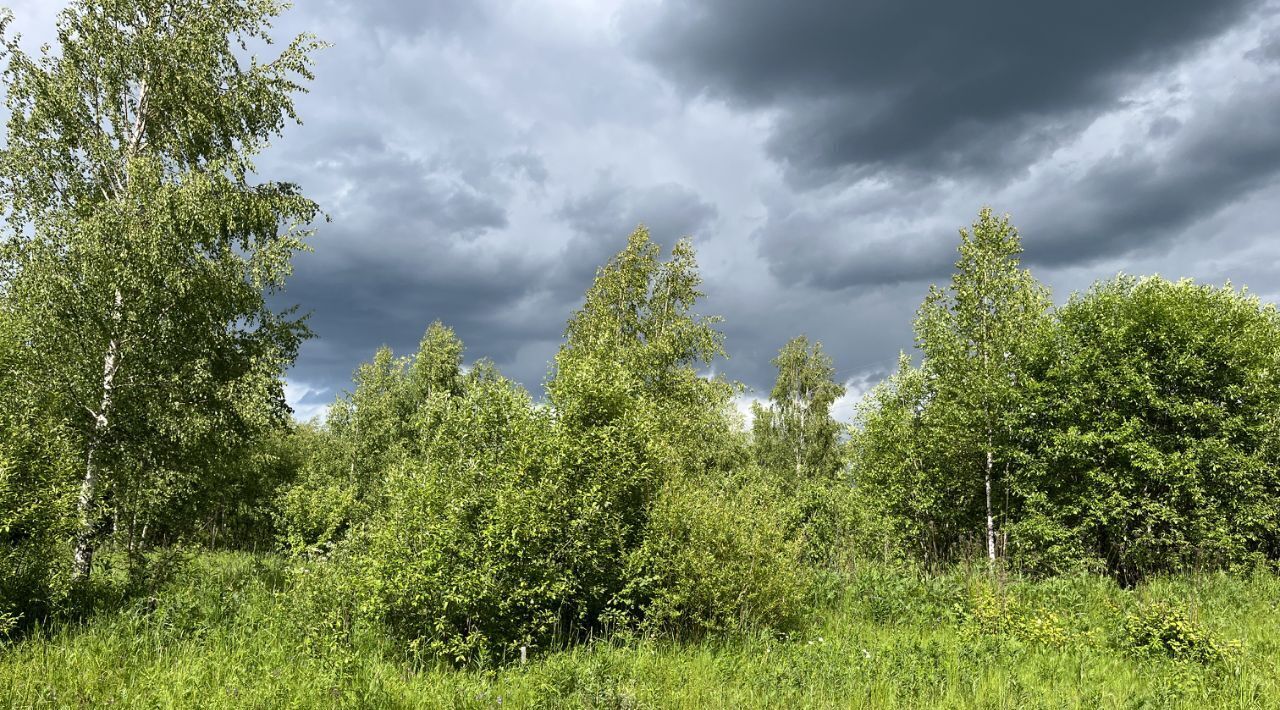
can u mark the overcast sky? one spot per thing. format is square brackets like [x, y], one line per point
[481, 159]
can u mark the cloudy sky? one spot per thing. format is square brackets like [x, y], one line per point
[480, 160]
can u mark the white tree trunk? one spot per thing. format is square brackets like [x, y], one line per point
[991, 521]
[83, 559]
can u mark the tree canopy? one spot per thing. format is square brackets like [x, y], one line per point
[138, 247]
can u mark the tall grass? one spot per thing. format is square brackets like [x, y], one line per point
[224, 633]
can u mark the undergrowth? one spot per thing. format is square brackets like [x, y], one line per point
[228, 631]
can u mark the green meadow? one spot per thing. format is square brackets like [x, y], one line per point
[222, 633]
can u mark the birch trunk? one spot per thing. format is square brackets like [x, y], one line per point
[83, 559]
[991, 522]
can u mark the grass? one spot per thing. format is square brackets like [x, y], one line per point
[223, 633]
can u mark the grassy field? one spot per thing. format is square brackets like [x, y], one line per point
[223, 633]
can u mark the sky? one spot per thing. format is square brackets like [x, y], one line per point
[479, 160]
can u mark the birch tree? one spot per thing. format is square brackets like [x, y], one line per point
[974, 334]
[139, 247]
[795, 432]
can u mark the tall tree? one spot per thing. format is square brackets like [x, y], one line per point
[974, 336]
[796, 433]
[634, 349]
[139, 249]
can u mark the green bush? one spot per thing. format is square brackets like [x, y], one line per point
[472, 555]
[714, 558]
[1153, 442]
[37, 518]
[316, 509]
[1161, 630]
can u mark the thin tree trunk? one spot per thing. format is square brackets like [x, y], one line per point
[83, 558]
[991, 521]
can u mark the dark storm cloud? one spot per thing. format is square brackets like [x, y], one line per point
[603, 218]
[1142, 197]
[441, 198]
[924, 87]
[480, 160]
[405, 247]
[1133, 202]
[1164, 175]
[832, 249]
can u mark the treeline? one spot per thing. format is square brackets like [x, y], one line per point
[1130, 432]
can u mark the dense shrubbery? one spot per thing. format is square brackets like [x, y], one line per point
[1135, 432]
[37, 504]
[1152, 431]
[486, 522]
[37, 514]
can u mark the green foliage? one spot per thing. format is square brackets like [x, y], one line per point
[1133, 430]
[976, 337]
[716, 560]
[227, 632]
[473, 522]
[988, 613]
[795, 435]
[316, 508]
[36, 520]
[652, 444]
[37, 502]
[368, 433]
[797, 442]
[137, 253]
[477, 551]
[900, 480]
[1154, 442]
[235, 505]
[1161, 630]
[935, 445]
[628, 369]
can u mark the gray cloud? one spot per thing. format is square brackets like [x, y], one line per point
[408, 19]
[480, 160]
[603, 218]
[1139, 197]
[923, 87]
[406, 246]
[1268, 50]
[1214, 161]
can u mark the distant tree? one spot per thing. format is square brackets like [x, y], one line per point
[139, 249]
[975, 336]
[797, 443]
[389, 415]
[796, 432]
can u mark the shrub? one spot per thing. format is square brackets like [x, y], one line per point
[37, 520]
[1161, 630]
[1154, 438]
[715, 558]
[471, 556]
[499, 524]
